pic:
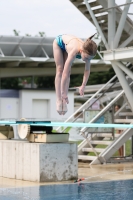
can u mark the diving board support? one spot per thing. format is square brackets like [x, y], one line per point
[37, 162]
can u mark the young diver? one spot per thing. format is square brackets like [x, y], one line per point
[66, 48]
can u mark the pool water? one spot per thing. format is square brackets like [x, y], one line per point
[112, 190]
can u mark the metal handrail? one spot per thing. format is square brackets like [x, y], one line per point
[106, 108]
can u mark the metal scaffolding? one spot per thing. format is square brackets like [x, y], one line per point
[116, 31]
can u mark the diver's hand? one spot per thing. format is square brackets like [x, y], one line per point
[81, 90]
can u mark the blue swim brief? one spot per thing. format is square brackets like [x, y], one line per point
[62, 45]
[60, 42]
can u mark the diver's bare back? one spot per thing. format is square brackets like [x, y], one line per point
[70, 45]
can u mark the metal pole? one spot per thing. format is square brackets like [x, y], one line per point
[127, 41]
[124, 84]
[106, 9]
[96, 24]
[125, 69]
[111, 24]
[121, 24]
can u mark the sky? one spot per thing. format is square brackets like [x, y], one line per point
[54, 17]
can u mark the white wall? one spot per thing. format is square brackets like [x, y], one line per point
[34, 104]
[9, 108]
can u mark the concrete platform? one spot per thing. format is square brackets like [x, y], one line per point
[38, 162]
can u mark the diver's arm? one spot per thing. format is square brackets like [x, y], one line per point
[85, 77]
[66, 74]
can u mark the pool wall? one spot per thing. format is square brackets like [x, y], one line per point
[47, 162]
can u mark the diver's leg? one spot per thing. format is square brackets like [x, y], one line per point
[68, 80]
[65, 101]
[59, 61]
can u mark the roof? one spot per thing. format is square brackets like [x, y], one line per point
[23, 56]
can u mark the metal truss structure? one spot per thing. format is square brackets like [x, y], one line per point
[116, 31]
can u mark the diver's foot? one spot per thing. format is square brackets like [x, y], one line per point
[59, 107]
[64, 107]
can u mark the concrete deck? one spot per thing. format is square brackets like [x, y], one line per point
[108, 172]
[95, 173]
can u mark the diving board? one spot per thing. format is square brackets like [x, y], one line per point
[66, 124]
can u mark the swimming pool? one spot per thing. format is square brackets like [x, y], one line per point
[112, 190]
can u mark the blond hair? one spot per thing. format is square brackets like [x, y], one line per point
[90, 46]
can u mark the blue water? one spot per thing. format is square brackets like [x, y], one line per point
[112, 190]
